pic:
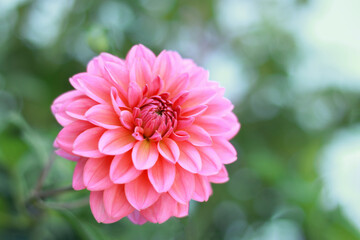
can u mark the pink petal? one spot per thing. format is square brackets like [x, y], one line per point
[107, 57]
[138, 133]
[202, 189]
[104, 116]
[184, 122]
[116, 101]
[122, 169]
[198, 136]
[193, 111]
[116, 141]
[213, 125]
[234, 130]
[198, 76]
[63, 118]
[181, 210]
[59, 105]
[156, 136]
[115, 202]
[162, 67]
[96, 173]
[86, 144]
[211, 163]
[140, 51]
[183, 186]
[134, 94]
[69, 156]
[55, 144]
[140, 193]
[140, 72]
[144, 154]
[180, 136]
[97, 65]
[155, 86]
[169, 149]
[161, 210]
[218, 106]
[127, 119]
[98, 210]
[220, 177]
[78, 182]
[180, 83]
[180, 98]
[118, 74]
[198, 97]
[94, 68]
[162, 175]
[231, 120]
[225, 150]
[69, 133]
[94, 87]
[189, 157]
[77, 108]
[137, 218]
[68, 96]
[175, 58]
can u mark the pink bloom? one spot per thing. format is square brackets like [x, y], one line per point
[148, 133]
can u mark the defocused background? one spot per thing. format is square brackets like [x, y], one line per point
[291, 67]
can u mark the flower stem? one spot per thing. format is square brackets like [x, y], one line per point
[54, 192]
[44, 174]
[38, 195]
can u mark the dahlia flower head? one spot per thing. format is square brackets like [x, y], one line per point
[148, 134]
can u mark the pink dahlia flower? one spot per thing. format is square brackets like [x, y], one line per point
[148, 133]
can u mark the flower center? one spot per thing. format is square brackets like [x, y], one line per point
[158, 117]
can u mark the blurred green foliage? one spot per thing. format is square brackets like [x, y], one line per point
[275, 183]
